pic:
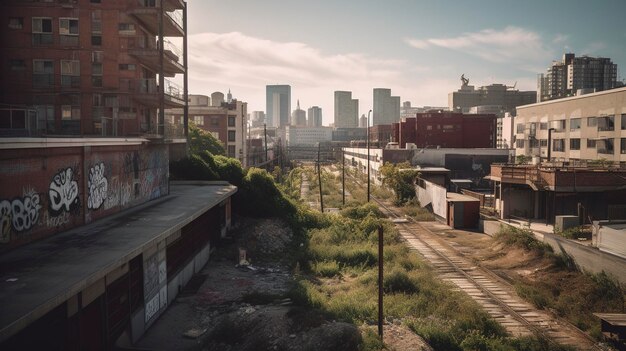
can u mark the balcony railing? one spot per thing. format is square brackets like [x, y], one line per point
[176, 16]
[172, 89]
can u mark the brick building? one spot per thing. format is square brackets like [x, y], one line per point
[446, 130]
[89, 67]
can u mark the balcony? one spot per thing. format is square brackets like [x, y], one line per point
[557, 177]
[148, 54]
[147, 13]
[146, 92]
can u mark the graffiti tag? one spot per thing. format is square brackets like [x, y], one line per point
[97, 187]
[21, 214]
[63, 191]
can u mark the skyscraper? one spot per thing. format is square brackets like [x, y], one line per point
[346, 110]
[278, 105]
[386, 107]
[315, 117]
[566, 77]
[298, 117]
[363, 121]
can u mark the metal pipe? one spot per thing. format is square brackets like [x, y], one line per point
[186, 79]
[380, 281]
[161, 117]
[368, 155]
[343, 177]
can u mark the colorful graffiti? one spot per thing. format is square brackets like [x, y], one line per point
[18, 215]
[97, 187]
[63, 192]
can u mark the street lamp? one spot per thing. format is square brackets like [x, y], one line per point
[368, 155]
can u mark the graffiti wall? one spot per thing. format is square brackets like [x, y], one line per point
[48, 190]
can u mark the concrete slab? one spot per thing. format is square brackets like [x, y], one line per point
[40, 276]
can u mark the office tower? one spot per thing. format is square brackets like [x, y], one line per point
[363, 121]
[277, 105]
[298, 117]
[258, 118]
[576, 75]
[346, 110]
[315, 117]
[386, 108]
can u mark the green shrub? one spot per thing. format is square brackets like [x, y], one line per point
[522, 238]
[327, 269]
[397, 281]
[192, 168]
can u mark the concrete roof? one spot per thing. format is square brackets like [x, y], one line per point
[456, 197]
[38, 277]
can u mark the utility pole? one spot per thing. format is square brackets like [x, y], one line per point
[368, 155]
[265, 132]
[343, 177]
[380, 282]
[319, 177]
[186, 81]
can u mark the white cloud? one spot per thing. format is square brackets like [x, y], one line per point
[245, 64]
[512, 45]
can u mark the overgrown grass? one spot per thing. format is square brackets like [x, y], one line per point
[413, 209]
[572, 294]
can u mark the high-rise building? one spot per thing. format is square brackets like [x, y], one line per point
[363, 121]
[315, 117]
[88, 68]
[298, 116]
[258, 118]
[277, 105]
[507, 98]
[386, 107]
[346, 110]
[573, 75]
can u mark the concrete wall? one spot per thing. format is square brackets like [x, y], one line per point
[434, 195]
[47, 190]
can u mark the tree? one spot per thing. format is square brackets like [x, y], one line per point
[201, 140]
[400, 179]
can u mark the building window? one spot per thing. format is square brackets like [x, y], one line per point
[429, 127]
[45, 117]
[574, 124]
[520, 128]
[559, 125]
[17, 65]
[215, 121]
[96, 75]
[126, 28]
[231, 121]
[591, 144]
[70, 73]
[543, 125]
[623, 121]
[558, 145]
[216, 135]
[12, 119]
[623, 146]
[574, 144]
[231, 135]
[198, 120]
[605, 146]
[543, 142]
[606, 123]
[42, 31]
[68, 31]
[43, 73]
[127, 67]
[69, 112]
[231, 151]
[591, 122]
[519, 143]
[16, 22]
[96, 40]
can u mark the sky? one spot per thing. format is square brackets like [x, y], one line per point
[416, 48]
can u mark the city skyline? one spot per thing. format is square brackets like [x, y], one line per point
[417, 49]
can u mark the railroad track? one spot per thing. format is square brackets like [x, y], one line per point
[496, 296]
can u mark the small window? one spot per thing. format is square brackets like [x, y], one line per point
[42, 31]
[215, 121]
[43, 73]
[126, 27]
[519, 143]
[231, 151]
[17, 65]
[574, 124]
[543, 142]
[198, 120]
[591, 144]
[127, 67]
[16, 22]
[623, 146]
[231, 121]
[68, 26]
[543, 125]
[429, 127]
[591, 122]
[559, 125]
[623, 121]
[606, 123]
[574, 144]
[97, 56]
[520, 128]
[558, 145]
[231, 135]
[605, 146]
[96, 40]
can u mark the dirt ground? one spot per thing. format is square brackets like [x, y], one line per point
[230, 307]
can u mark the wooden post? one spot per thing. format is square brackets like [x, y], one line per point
[343, 177]
[319, 177]
[380, 282]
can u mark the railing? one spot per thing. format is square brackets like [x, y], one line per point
[172, 89]
[169, 46]
[176, 16]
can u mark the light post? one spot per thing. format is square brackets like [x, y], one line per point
[550, 142]
[368, 155]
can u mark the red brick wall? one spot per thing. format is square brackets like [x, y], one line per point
[455, 130]
[48, 190]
